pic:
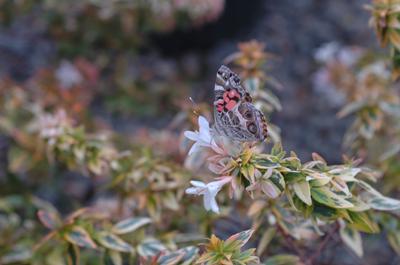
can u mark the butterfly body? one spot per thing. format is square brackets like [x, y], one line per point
[234, 114]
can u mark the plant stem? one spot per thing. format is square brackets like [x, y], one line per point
[324, 243]
[289, 242]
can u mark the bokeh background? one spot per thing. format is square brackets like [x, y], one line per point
[130, 68]
[184, 53]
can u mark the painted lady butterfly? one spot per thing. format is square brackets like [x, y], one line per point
[234, 114]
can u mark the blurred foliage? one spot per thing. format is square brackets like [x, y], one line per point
[373, 98]
[76, 191]
[385, 20]
[367, 85]
[79, 26]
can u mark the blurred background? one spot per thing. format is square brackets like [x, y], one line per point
[128, 68]
[146, 60]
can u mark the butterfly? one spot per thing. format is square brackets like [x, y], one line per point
[234, 114]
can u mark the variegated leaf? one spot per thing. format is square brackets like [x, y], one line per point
[352, 239]
[77, 235]
[130, 225]
[302, 190]
[150, 247]
[325, 196]
[241, 237]
[113, 242]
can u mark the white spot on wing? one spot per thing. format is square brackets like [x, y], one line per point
[218, 88]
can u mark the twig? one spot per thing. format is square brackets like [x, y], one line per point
[289, 242]
[323, 244]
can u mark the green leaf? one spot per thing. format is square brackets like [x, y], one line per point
[49, 219]
[150, 247]
[265, 240]
[170, 259]
[112, 257]
[377, 201]
[318, 179]
[18, 255]
[390, 152]
[113, 242]
[368, 188]
[271, 98]
[351, 108]
[362, 222]
[284, 259]
[277, 150]
[77, 235]
[130, 225]
[383, 203]
[190, 254]
[325, 196]
[345, 173]
[278, 180]
[274, 132]
[302, 190]
[325, 211]
[352, 239]
[264, 163]
[270, 189]
[394, 240]
[293, 176]
[73, 254]
[359, 205]
[390, 108]
[170, 201]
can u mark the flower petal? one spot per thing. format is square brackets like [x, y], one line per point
[193, 190]
[199, 184]
[207, 200]
[195, 148]
[203, 124]
[214, 205]
[191, 135]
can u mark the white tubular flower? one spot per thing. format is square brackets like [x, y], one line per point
[209, 191]
[202, 138]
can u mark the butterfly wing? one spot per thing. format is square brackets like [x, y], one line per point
[234, 114]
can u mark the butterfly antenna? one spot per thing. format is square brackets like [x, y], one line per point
[194, 106]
